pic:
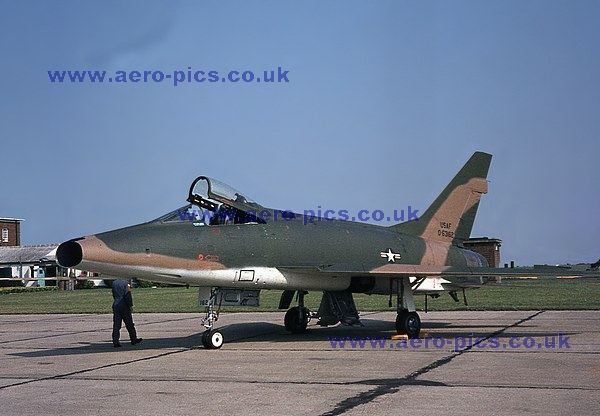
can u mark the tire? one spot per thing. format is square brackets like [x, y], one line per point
[294, 322]
[212, 340]
[400, 322]
[408, 323]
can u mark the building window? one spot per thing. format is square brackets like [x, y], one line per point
[5, 235]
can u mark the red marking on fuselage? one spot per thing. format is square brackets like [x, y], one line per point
[207, 257]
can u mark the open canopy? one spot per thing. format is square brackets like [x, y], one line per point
[225, 204]
[207, 193]
[212, 202]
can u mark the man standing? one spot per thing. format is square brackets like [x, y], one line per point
[122, 306]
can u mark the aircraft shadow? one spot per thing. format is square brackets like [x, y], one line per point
[263, 332]
[187, 342]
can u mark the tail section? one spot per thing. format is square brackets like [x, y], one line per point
[451, 216]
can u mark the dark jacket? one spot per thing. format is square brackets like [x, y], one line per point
[121, 295]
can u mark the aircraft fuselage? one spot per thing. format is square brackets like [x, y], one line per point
[223, 255]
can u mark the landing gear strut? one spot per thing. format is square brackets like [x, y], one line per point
[211, 339]
[407, 321]
[296, 318]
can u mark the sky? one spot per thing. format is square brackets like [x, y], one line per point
[385, 101]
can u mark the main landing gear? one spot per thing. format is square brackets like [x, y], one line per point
[296, 318]
[211, 339]
[407, 321]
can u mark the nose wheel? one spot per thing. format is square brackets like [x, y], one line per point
[212, 339]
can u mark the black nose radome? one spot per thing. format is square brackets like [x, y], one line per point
[69, 254]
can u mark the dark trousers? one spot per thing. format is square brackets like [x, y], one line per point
[121, 315]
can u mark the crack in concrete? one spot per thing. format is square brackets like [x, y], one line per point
[368, 396]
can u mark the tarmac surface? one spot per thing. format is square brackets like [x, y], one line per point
[66, 365]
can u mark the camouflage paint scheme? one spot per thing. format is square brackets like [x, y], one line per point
[322, 255]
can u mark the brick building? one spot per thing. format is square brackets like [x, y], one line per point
[487, 247]
[33, 265]
[10, 232]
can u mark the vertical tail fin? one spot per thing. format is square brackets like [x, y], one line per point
[451, 216]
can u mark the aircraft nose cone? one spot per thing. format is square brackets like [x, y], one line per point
[69, 254]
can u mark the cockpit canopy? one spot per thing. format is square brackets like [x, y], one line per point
[219, 203]
[213, 202]
[207, 193]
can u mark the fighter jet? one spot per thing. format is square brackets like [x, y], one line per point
[232, 247]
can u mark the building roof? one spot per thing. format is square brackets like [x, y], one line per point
[11, 219]
[27, 254]
[482, 240]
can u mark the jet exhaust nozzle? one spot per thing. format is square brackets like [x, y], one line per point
[69, 254]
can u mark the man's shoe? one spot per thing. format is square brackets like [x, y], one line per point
[136, 341]
[117, 345]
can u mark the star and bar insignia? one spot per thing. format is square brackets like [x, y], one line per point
[390, 255]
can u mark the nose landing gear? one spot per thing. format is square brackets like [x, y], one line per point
[212, 339]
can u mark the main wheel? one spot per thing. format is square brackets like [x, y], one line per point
[296, 320]
[408, 323]
[212, 340]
